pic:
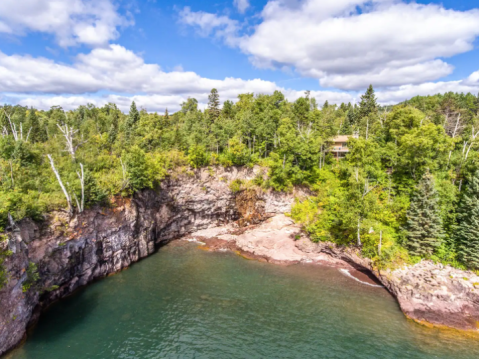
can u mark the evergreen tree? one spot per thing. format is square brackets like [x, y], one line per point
[228, 109]
[167, 115]
[113, 131]
[368, 105]
[424, 224]
[467, 228]
[133, 118]
[37, 133]
[214, 105]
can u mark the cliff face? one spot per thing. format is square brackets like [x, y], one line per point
[71, 253]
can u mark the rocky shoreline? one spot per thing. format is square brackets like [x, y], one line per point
[68, 253]
[428, 293]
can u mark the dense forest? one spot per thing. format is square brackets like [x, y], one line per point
[408, 188]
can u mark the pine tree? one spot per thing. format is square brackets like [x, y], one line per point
[424, 224]
[132, 120]
[368, 105]
[467, 228]
[113, 131]
[167, 115]
[214, 105]
[33, 125]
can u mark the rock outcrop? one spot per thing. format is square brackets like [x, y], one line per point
[428, 293]
[435, 294]
[69, 253]
[52, 259]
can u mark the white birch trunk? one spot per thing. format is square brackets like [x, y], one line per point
[65, 192]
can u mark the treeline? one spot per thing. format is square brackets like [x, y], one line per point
[404, 191]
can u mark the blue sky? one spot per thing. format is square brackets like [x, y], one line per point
[161, 52]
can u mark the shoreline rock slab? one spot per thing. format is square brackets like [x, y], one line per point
[429, 293]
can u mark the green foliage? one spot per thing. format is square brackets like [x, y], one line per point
[139, 169]
[214, 105]
[132, 120]
[467, 227]
[32, 277]
[367, 192]
[197, 156]
[3, 255]
[236, 185]
[424, 222]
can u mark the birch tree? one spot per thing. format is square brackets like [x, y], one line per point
[65, 192]
[71, 142]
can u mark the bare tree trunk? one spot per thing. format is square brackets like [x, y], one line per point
[69, 134]
[69, 201]
[125, 179]
[12, 125]
[82, 182]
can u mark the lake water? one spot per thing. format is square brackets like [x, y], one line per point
[184, 302]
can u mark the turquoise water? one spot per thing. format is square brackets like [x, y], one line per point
[187, 303]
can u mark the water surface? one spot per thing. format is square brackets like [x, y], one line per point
[187, 303]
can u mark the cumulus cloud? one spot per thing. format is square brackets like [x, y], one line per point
[392, 96]
[348, 44]
[206, 24]
[429, 71]
[72, 22]
[44, 83]
[241, 5]
[114, 69]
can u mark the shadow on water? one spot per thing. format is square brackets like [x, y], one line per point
[76, 309]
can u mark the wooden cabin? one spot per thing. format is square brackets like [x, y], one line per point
[339, 147]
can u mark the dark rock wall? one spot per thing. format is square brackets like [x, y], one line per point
[70, 253]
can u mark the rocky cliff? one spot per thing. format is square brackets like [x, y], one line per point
[66, 253]
[53, 258]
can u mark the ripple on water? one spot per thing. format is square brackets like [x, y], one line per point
[186, 303]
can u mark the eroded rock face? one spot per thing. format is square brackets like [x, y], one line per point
[71, 253]
[436, 294]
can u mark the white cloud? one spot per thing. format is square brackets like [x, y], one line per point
[44, 83]
[241, 5]
[206, 24]
[429, 71]
[348, 44]
[392, 96]
[72, 22]
[113, 69]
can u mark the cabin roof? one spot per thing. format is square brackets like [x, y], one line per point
[341, 138]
